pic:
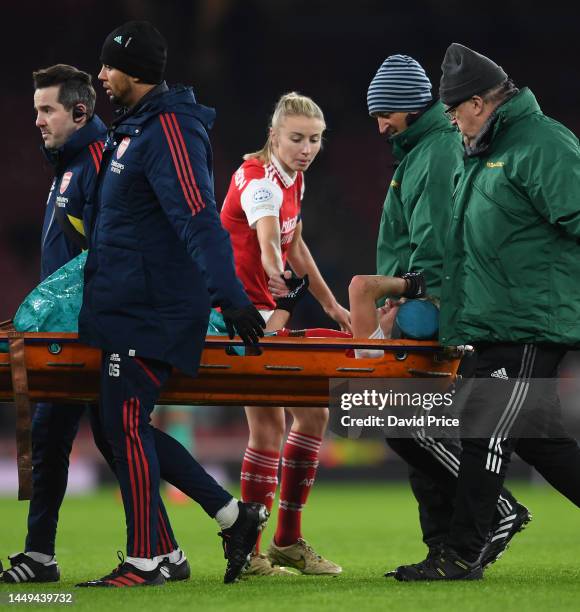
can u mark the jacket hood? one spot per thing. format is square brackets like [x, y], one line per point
[175, 99]
[93, 130]
[432, 120]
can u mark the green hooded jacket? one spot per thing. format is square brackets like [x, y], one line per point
[512, 258]
[418, 205]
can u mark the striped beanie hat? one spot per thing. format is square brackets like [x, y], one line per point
[399, 85]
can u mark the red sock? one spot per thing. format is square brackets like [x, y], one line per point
[259, 478]
[299, 464]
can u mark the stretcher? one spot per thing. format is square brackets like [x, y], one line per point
[292, 368]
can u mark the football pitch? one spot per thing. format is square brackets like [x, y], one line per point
[368, 529]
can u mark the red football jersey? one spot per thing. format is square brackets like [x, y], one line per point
[260, 190]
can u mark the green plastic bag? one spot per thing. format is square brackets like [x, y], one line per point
[54, 305]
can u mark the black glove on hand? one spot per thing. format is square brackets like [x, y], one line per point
[246, 321]
[416, 287]
[298, 287]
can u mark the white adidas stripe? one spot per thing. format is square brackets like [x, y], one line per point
[511, 418]
[14, 576]
[30, 572]
[518, 396]
[451, 463]
[508, 518]
[500, 536]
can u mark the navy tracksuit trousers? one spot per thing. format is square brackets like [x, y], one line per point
[130, 387]
[54, 428]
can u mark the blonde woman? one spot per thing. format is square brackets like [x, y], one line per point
[262, 212]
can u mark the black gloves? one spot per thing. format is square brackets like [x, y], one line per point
[416, 287]
[246, 321]
[298, 287]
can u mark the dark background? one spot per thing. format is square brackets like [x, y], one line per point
[240, 56]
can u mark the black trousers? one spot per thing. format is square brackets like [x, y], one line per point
[54, 428]
[524, 412]
[130, 388]
[433, 470]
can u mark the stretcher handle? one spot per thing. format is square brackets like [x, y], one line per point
[23, 410]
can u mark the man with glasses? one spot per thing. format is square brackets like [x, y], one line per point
[414, 224]
[510, 253]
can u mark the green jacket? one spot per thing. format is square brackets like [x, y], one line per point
[418, 205]
[512, 264]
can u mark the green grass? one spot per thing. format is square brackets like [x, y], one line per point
[367, 528]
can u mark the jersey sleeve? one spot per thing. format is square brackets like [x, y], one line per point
[261, 198]
[178, 167]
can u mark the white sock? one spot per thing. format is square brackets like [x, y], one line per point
[141, 563]
[39, 557]
[228, 515]
[174, 556]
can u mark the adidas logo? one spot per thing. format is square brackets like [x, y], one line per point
[115, 357]
[501, 373]
[118, 39]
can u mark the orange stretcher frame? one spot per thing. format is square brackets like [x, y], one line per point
[288, 371]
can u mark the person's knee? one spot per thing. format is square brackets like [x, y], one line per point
[359, 285]
[311, 421]
[267, 432]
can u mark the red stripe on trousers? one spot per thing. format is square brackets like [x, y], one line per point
[191, 174]
[126, 428]
[148, 553]
[182, 156]
[164, 535]
[148, 371]
[176, 164]
[140, 509]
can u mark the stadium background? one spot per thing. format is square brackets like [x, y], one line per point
[240, 56]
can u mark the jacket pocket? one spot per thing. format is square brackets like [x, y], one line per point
[120, 280]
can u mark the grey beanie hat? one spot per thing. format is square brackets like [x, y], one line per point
[466, 73]
[399, 85]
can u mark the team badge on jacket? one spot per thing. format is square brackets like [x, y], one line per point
[66, 177]
[123, 147]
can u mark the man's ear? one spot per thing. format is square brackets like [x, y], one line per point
[79, 112]
[478, 104]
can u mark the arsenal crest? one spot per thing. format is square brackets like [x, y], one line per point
[123, 147]
[66, 177]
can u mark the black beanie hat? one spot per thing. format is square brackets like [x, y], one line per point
[137, 49]
[466, 73]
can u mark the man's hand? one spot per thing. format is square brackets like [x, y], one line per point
[416, 287]
[246, 321]
[297, 288]
[340, 315]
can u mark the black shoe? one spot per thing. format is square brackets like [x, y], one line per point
[446, 566]
[25, 569]
[502, 532]
[127, 575]
[240, 539]
[174, 571]
[434, 550]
